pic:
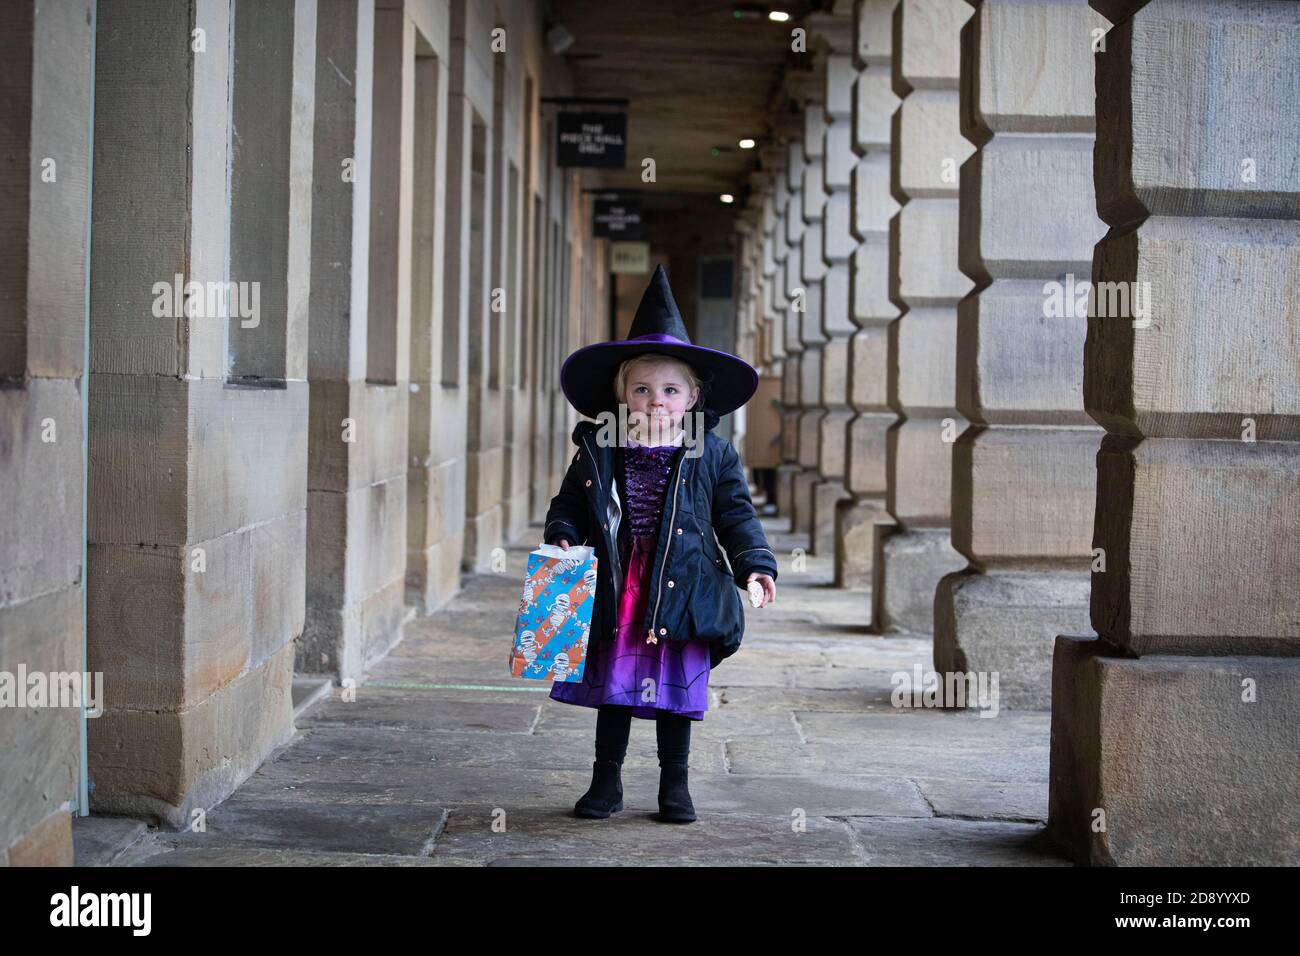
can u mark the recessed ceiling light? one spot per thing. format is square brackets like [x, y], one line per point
[746, 144]
[727, 197]
[558, 38]
[779, 16]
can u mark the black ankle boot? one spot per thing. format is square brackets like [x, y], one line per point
[605, 795]
[674, 799]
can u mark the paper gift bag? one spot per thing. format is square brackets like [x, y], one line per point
[555, 614]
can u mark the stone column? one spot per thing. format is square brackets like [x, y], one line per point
[774, 308]
[470, 218]
[859, 519]
[518, 148]
[360, 338]
[44, 178]
[435, 459]
[788, 254]
[198, 406]
[1175, 731]
[1024, 473]
[926, 284]
[810, 270]
[837, 246]
[748, 302]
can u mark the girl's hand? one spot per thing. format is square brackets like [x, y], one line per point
[563, 543]
[769, 587]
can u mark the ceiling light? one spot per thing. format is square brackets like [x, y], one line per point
[727, 197]
[779, 16]
[746, 144]
[559, 39]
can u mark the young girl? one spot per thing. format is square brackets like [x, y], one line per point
[667, 608]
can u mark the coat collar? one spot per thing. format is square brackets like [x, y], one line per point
[584, 436]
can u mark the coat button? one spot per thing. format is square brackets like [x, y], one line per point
[670, 584]
[663, 630]
[588, 483]
[679, 530]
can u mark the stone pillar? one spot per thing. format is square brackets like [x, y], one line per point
[810, 270]
[774, 308]
[435, 456]
[470, 219]
[1175, 732]
[514, 101]
[926, 284]
[537, 352]
[45, 166]
[788, 253]
[837, 246]
[859, 520]
[747, 303]
[198, 394]
[1024, 473]
[360, 336]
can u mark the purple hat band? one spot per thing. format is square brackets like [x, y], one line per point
[657, 338]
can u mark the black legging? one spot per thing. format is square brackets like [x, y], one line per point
[614, 724]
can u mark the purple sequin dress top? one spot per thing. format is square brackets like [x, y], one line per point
[667, 676]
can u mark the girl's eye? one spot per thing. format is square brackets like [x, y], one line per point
[671, 388]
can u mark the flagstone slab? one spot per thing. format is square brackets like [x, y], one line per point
[245, 856]
[397, 829]
[985, 799]
[633, 836]
[377, 707]
[370, 749]
[942, 842]
[759, 699]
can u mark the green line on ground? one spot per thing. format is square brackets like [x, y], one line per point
[385, 683]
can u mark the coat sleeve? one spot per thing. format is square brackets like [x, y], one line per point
[567, 516]
[737, 524]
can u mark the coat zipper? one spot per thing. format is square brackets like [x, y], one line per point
[611, 546]
[650, 635]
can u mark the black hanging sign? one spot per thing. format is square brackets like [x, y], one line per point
[591, 139]
[616, 219]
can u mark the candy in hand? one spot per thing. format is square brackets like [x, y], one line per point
[756, 593]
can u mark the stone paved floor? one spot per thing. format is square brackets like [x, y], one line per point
[440, 743]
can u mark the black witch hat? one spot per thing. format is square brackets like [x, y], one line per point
[587, 376]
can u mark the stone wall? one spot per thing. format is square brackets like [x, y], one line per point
[282, 465]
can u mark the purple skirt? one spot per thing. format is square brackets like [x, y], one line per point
[667, 676]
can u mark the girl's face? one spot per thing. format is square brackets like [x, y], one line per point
[657, 399]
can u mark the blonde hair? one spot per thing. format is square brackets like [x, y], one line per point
[655, 360]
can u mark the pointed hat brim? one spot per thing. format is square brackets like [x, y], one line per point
[587, 375]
